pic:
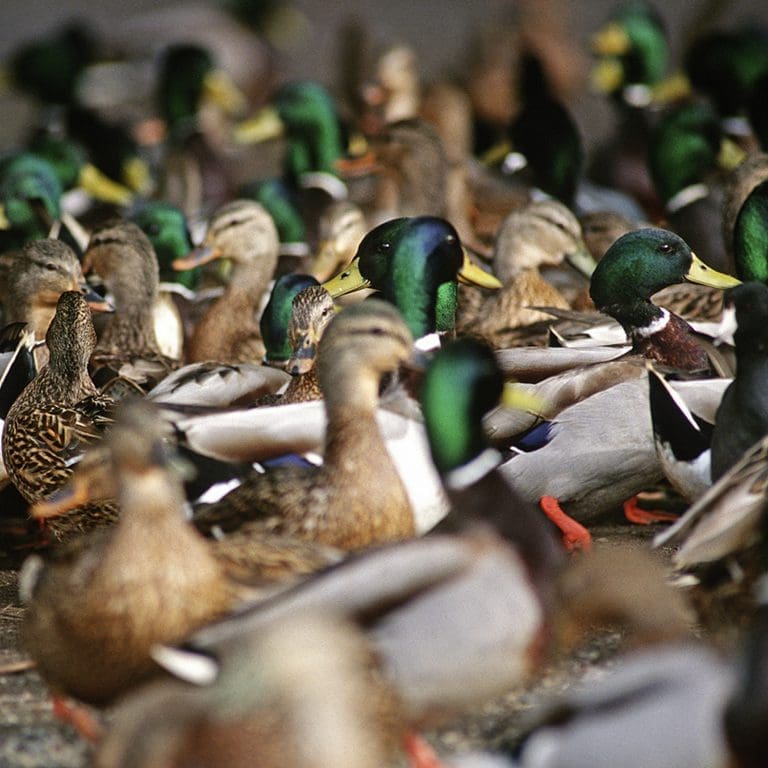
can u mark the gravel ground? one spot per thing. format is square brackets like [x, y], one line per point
[31, 736]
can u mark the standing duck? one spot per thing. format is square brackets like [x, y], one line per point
[229, 331]
[121, 254]
[635, 267]
[57, 414]
[332, 504]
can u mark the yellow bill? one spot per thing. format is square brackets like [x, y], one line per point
[4, 223]
[264, 125]
[518, 398]
[700, 273]
[471, 274]
[347, 281]
[101, 187]
[611, 40]
[220, 89]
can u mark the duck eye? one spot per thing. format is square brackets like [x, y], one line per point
[665, 248]
[153, 229]
[50, 266]
[386, 245]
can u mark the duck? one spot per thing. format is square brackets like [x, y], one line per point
[328, 504]
[300, 670]
[689, 163]
[57, 414]
[30, 199]
[540, 234]
[35, 277]
[413, 263]
[341, 227]
[188, 80]
[228, 332]
[742, 418]
[276, 317]
[635, 267]
[305, 113]
[313, 309]
[95, 644]
[127, 353]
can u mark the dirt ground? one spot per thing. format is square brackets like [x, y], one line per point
[30, 735]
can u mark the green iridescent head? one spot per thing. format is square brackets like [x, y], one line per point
[461, 384]
[276, 197]
[750, 236]
[181, 83]
[166, 227]
[30, 192]
[684, 148]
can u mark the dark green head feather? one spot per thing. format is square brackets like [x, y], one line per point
[413, 263]
[181, 80]
[461, 384]
[750, 236]
[684, 148]
[276, 197]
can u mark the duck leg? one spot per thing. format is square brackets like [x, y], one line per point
[575, 535]
[79, 717]
[641, 516]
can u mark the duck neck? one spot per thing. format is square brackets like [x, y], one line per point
[639, 317]
[130, 330]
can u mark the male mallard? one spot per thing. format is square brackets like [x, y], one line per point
[414, 263]
[34, 279]
[330, 504]
[304, 111]
[121, 254]
[58, 413]
[687, 161]
[228, 332]
[30, 195]
[635, 267]
[742, 418]
[188, 80]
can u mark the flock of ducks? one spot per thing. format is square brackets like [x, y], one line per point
[281, 525]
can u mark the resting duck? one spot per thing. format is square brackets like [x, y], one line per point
[34, 279]
[127, 353]
[413, 263]
[57, 414]
[635, 267]
[229, 332]
[330, 504]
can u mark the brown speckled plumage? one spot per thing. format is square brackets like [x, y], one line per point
[59, 412]
[356, 498]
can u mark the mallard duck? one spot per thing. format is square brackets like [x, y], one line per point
[228, 332]
[635, 267]
[30, 198]
[687, 157]
[34, 279]
[271, 703]
[188, 80]
[57, 414]
[742, 418]
[414, 263]
[326, 503]
[541, 234]
[341, 227]
[303, 111]
[121, 254]
[312, 311]
[98, 606]
[276, 317]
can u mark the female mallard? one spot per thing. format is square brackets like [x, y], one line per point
[35, 277]
[414, 263]
[635, 267]
[229, 332]
[121, 254]
[541, 234]
[57, 414]
[312, 311]
[330, 504]
[97, 607]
